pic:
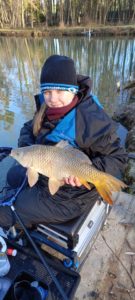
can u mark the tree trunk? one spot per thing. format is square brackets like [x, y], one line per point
[22, 14]
[61, 13]
[31, 11]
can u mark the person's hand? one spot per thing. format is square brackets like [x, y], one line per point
[72, 180]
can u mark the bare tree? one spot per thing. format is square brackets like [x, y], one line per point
[23, 13]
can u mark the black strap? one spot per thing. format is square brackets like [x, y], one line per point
[4, 152]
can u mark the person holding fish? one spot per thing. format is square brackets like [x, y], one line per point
[70, 151]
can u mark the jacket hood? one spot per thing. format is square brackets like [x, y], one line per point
[85, 84]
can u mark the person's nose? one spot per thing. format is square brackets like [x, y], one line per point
[53, 96]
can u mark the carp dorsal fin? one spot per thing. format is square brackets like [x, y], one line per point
[80, 154]
[63, 144]
[54, 185]
[32, 176]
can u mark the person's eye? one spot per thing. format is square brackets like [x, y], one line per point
[47, 93]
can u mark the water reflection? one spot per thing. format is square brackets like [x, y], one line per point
[106, 60]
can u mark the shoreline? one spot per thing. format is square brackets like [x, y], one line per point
[121, 30]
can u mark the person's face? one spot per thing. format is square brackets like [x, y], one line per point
[58, 98]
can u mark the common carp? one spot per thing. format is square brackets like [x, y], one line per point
[61, 161]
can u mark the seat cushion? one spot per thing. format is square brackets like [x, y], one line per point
[72, 227]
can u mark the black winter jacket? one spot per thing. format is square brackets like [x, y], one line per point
[95, 135]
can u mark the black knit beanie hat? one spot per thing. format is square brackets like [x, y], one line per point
[58, 72]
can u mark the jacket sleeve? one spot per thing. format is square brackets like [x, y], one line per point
[26, 137]
[97, 136]
[109, 156]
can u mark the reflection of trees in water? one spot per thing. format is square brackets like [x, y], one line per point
[108, 61]
[4, 86]
[17, 80]
[105, 60]
[6, 119]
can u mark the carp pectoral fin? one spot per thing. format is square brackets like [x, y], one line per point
[32, 177]
[54, 185]
[85, 183]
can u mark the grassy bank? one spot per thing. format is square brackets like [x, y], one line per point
[71, 31]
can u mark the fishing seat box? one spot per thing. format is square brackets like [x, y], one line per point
[74, 239]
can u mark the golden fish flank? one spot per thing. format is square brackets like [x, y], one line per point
[60, 161]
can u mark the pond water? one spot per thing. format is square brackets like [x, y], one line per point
[105, 60]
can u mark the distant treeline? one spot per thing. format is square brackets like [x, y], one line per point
[33, 13]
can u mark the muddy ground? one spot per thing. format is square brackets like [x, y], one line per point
[109, 271]
[91, 29]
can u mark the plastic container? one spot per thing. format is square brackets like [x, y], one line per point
[24, 286]
[4, 262]
[43, 293]
[5, 284]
